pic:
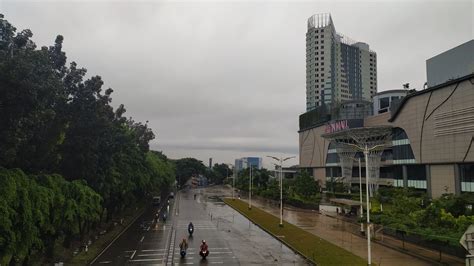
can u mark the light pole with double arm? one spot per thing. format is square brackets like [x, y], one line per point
[281, 160]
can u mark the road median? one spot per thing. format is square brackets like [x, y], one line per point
[312, 247]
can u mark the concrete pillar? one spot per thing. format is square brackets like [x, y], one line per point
[405, 176]
[428, 180]
[457, 180]
[331, 174]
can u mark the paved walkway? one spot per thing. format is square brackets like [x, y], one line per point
[340, 232]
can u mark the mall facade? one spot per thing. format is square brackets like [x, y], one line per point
[431, 146]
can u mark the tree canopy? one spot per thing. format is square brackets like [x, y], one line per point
[68, 159]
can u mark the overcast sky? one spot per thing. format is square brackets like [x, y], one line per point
[227, 79]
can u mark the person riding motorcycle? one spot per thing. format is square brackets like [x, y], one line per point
[183, 246]
[204, 250]
[191, 228]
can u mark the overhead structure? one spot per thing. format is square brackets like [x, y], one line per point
[346, 155]
[348, 142]
[372, 141]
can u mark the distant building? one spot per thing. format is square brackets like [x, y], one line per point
[452, 64]
[243, 163]
[337, 69]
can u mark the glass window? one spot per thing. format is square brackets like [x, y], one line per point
[467, 177]
[416, 172]
[384, 102]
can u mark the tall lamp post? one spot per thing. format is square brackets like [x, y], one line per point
[366, 150]
[250, 188]
[233, 178]
[281, 160]
[250, 183]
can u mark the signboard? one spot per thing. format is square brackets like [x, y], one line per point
[339, 125]
[467, 240]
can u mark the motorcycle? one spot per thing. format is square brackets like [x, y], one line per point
[190, 229]
[204, 254]
[183, 253]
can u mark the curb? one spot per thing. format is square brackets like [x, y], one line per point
[274, 236]
[120, 234]
[430, 260]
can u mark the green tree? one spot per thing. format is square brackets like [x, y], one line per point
[187, 167]
[305, 185]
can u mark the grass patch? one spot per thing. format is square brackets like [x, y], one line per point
[319, 251]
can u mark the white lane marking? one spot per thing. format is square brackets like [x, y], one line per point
[220, 252]
[151, 250]
[133, 255]
[142, 260]
[129, 251]
[143, 237]
[105, 262]
[217, 262]
[151, 254]
[210, 249]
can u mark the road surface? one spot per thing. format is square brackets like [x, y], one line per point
[232, 239]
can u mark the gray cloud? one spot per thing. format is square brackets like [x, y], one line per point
[227, 79]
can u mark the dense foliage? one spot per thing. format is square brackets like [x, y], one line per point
[188, 167]
[303, 190]
[81, 161]
[444, 219]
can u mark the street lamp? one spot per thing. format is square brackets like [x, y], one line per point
[250, 184]
[233, 179]
[281, 160]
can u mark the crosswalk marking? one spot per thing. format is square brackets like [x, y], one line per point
[151, 254]
[151, 250]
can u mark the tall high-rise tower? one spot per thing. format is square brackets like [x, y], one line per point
[337, 68]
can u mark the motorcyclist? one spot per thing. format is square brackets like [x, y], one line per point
[204, 249]
[164, 217]
[183, 246]
[191, 228]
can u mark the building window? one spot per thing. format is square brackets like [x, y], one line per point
[322, 35]
[322, 46]
[384, 102]
[322, 57]
[466, 172]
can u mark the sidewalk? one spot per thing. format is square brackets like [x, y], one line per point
[343, 234]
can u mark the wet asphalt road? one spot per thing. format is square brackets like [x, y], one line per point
[232, 239]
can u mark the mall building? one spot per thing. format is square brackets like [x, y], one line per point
[431, 145]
